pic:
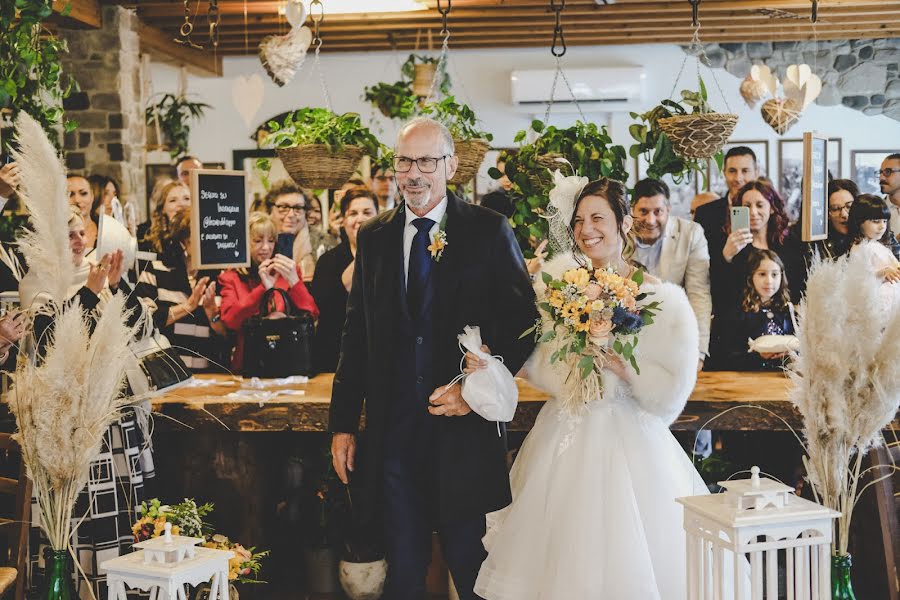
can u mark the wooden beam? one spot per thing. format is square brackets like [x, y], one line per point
[162, 45]
[82, 12]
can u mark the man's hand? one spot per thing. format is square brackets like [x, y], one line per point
[9, 179]
[343, 454]
[448, 402]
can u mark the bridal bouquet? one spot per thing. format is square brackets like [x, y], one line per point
[593, 312]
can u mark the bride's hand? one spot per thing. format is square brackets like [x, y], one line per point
[473, 363]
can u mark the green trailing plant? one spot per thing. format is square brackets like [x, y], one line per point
[31, 76]
[174, 113]
[586, 149]
[394, 100]
[655, 146]
[321, 126]
[458, 118]
[408, 70]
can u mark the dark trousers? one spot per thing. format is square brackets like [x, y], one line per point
[409, 508]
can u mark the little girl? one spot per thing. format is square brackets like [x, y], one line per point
[764, 310]
[869, 229]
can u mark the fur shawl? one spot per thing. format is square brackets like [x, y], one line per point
[665, 353]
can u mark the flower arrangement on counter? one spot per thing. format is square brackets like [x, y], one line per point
[186, 518]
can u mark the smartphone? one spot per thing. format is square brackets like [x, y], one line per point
[284, 245]
[740, 218]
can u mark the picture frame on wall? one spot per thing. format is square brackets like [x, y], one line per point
[790, 171]
[716, 179]
[864, 168]
[680, 193]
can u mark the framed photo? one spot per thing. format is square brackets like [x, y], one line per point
[865, 167]
[680, 194]
[484, 183]
[716, 179]
[790, 171]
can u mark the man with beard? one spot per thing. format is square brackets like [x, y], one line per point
[426, 462]
[384, 187]
[673, 249]
[889, 178]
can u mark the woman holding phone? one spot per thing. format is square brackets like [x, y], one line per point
[758, 221]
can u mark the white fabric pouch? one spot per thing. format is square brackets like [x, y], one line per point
[775, 344]
[491, 392]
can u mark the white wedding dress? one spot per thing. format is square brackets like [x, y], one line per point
[594, 513]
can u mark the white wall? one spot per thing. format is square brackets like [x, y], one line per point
[481, 79]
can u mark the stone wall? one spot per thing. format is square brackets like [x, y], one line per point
[860, 74]
[111, 136]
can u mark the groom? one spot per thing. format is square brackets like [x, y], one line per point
[428, 462]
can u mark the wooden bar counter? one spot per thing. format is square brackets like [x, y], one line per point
[753, 401]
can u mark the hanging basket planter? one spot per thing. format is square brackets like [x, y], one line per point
[316, 166]
[424, 78]
[699, 135]
[471, 155]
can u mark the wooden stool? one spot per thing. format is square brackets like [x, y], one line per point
[166, 582]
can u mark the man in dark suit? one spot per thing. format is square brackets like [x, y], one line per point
[426, 460]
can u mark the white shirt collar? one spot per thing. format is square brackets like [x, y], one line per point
[436, 214]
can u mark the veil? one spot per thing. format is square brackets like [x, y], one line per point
[560, 209]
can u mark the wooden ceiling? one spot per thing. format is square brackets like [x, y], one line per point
[529, 23]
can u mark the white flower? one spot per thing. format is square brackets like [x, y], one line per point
[565, 191]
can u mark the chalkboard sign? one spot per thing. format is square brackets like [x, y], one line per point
[220, 236]
[815, 187]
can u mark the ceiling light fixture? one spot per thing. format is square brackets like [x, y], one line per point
[346, 7]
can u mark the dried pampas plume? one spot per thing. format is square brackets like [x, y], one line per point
[846, 378]
[43, 191]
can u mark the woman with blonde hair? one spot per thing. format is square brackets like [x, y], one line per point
[168, 199]
[243, 289]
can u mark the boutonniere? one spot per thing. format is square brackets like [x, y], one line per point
[439, 241]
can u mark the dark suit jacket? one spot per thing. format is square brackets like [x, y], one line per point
[481, 280]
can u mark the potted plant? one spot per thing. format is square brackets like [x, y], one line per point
[32, 79]
[421, 71]
[700, 133]
[169, 121]
[583, 149]
[471, 142]
[394, 100]
[321, 149]
[657, 147]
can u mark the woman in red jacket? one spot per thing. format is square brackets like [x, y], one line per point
[242, 290]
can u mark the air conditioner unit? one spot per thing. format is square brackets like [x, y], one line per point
[603, 89]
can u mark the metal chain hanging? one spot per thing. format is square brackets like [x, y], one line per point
[441, 70]
[558, 50]
[697, 50]
[317, 40]
[187, 28]
[212, 15]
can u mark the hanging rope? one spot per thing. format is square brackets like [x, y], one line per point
[558, 50]
[317, 40]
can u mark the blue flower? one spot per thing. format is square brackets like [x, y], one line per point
[626, 321]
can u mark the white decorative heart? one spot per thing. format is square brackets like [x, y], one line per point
[812, 89]
[799, 74]
[764, 75]
[247, 95]
[236, 253]
[295, 13]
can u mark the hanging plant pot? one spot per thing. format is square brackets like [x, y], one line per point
[316, 166]
[363, 581]
[471, 155]
[698, 135]
[424, 78]
[780, 114]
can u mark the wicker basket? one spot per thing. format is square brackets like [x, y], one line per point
[471, 155]
[424, 77]
[780, 114]
[699, 135]
[549, 163]
[315, 166]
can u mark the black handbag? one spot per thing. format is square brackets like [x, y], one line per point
[278, 347]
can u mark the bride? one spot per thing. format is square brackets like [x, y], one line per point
[594, 486]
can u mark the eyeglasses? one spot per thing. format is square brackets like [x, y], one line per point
[286, 208]
[839, 209]
[426, 164]
[887, 172]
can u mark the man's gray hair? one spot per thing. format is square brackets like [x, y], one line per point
[442, 131]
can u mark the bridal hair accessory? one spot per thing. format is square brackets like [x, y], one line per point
[560, 209]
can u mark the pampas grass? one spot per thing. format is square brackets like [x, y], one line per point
[846, 379]
[65, 401]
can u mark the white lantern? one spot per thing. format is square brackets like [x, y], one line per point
[763, 521]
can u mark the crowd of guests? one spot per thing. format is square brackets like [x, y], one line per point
[741, 283]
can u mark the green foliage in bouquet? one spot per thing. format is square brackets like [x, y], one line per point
[655, 145]
[589, 152]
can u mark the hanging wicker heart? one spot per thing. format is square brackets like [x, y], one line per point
[780, 114]
[752, 91]
[698, 135]
[282, 55]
